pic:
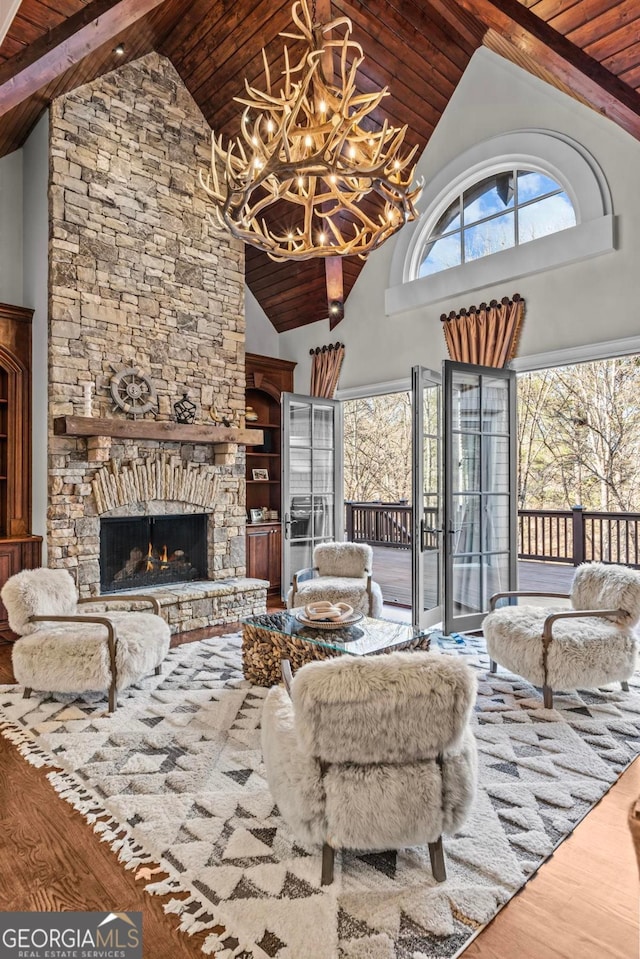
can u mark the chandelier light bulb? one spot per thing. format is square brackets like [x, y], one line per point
[315, 163]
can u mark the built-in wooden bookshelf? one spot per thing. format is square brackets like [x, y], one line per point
[267, 379]
[19, 549]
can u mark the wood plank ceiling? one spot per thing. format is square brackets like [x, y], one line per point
[589, 48]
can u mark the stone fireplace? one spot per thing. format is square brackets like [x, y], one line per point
[138, 278]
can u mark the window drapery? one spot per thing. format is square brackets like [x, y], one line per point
[486, 335]
[325, 369]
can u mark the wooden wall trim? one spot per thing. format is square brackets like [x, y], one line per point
[22, 313]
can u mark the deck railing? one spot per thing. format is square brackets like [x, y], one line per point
[558, 536]
[380, 524]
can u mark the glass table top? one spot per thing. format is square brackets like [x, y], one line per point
[367, 636]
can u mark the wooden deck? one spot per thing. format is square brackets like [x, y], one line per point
[392, 570]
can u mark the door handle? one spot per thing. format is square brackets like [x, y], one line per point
[287, 525]
[424, 530]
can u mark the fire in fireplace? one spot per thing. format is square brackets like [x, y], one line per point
[143, 551]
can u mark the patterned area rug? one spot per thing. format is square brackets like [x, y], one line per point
[179, 766]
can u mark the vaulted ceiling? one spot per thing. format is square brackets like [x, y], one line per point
[588, 48]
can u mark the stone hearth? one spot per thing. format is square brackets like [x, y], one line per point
[187, 606]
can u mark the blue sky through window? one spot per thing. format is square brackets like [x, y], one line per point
[498, 212]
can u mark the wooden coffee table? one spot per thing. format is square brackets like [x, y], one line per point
[269, 639]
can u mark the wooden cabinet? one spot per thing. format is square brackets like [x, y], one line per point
[267, 379]
[15, 555]
[264, 548]
[19, 549]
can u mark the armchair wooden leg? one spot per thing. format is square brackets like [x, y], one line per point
[327, 865]
[112, 698]
[625, 686]
[158, 670]
[493, 666]
[27, 692]
[547, 695]
[436, 855]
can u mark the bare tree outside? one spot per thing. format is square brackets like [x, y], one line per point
[578, 445]
[377, 448]
[578, 440]
[579, 436]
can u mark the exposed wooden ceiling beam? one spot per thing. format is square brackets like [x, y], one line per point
[334, 280]
[463, 23]
[66, 45]
[530, 34]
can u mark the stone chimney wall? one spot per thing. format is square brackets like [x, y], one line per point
[139, 279]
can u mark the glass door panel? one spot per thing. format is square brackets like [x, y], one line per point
[479, 480]
[312, 495]
[466, 593]
[427, 499]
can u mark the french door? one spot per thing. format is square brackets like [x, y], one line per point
[427, 562]
[480, 515]
[312, 486]
[464, 494]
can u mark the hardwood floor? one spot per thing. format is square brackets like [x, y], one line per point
[582, 904]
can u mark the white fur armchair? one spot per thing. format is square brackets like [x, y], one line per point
[61, 650]
[341, 573]
[591, 644]
[373, 753]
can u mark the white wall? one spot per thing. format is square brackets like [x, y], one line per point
[262, 336]
[11, 229]
[35, 269]
[582, 303]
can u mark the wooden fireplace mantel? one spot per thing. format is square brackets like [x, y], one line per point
[155, 430]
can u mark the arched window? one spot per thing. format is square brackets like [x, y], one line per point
[536, 197]
[497, 212]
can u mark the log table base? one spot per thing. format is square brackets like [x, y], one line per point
[265, 645]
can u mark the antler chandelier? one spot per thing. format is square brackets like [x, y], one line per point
[312, 175]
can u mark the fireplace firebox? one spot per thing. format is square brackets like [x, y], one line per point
[142, 551]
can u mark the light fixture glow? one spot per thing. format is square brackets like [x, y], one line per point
[304, 149]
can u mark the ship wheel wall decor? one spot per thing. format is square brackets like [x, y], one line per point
[133, 392]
